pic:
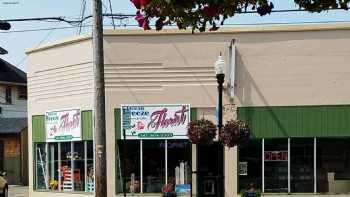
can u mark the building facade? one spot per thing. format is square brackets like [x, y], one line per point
[13, 123]
[288, 82]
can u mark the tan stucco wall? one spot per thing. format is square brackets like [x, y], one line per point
[273, 68]
[58, 78]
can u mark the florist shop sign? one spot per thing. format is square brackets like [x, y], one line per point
[155, 121]
[63, 125]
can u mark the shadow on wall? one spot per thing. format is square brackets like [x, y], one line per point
[244, 83]
[245, 86]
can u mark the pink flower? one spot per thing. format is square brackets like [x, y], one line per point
[142, 21]
[139, 18]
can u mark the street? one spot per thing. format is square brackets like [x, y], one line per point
[18, 191]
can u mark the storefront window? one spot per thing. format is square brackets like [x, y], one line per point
[153, 166]
[89, 187]
[62, 157]
[301, 162]
[179, 165]
[79, 166]
[132, 163]
[149, 174]
[276, 165]
[333, 165]
[249, 168]
[53, 166]
[41, 178]
[66, 167]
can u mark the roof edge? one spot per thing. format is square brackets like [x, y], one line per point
[58, 43]
[12, 83]
[237, 29]
[225, 30]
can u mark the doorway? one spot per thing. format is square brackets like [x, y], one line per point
[210, 170]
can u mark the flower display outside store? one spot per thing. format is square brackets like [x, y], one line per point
[235, 132]
[201, 131]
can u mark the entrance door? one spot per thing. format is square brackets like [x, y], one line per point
[210, 170]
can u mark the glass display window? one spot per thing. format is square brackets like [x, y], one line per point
[64, 166]
[150, 164]
[251, 160]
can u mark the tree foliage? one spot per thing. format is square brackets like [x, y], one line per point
[199, 14]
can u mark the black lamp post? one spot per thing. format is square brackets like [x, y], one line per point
[220, 76]
[124, 163]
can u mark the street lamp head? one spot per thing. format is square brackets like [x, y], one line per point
[4, 25]
[219, 65]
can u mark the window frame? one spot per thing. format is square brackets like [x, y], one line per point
[22, 93]
[59, 160]
[315, 174]
[166, 156]
[8, 95]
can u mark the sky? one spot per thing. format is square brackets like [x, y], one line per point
[16, 41]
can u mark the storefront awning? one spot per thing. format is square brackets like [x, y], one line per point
[12, 125]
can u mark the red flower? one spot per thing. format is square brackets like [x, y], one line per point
[210, 11]
[136, 3]
[144, 3]
[168, 188]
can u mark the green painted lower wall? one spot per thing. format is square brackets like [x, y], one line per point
[12, 166]
[297, 121]
[86, 125]
[38, 128]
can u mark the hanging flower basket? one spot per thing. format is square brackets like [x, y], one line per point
[201, 131]
[235, 132]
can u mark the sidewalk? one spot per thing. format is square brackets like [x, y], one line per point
[18, 191]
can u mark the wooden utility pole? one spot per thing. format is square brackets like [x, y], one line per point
[99, 100]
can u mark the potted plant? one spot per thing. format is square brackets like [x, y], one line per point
[235, 132]
[201, 131]
[53, 184]
[168, 190]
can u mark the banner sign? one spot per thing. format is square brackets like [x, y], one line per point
[276, 156]
[63, 125]
[155, 121]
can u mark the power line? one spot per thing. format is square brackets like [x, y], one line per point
[41, 29]
[82, 11]
[110, 6]
[41, 41]
[71, 22]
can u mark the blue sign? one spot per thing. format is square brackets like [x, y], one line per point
[182, 188]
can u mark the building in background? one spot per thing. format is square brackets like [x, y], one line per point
[290, 83]
[13, 123]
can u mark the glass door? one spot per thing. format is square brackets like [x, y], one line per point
[210, 170]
